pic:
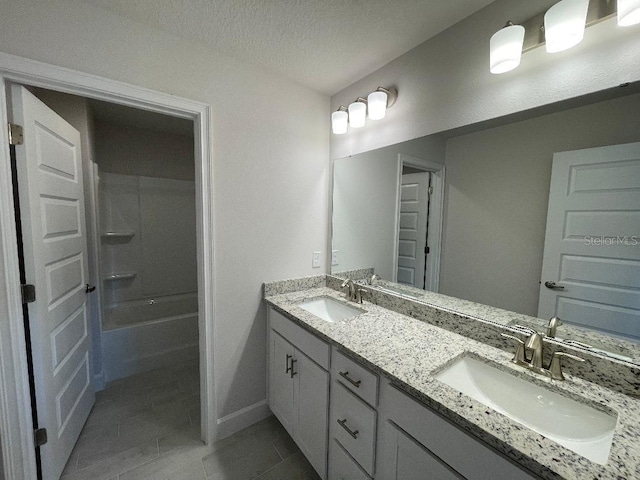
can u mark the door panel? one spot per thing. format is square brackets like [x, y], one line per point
[592, 242]
[55, 252]
[412, 224]
[312, 402]
[280, 381]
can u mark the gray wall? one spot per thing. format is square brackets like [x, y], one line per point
[497, 190]
[137, 151]
[270, 158]
[445, 82]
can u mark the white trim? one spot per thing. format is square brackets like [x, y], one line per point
[15, 411]
[236, 421]
[435, 217]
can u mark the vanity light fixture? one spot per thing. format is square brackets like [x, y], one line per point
[561, 27]
[358, 112]
[628, 12]
[339, 120]
[506, 48]
[564, 24]
[376, 105]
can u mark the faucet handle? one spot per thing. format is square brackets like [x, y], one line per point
[518, 358]
[555, 367]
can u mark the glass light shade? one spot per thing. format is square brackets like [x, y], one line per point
[564, 24]
[505, 49]
[377, 102]
[339, 122]
[357, 114]
[628, 12]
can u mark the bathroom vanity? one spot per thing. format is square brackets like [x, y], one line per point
[366, 393]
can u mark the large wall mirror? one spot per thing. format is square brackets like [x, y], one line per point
[465, 213]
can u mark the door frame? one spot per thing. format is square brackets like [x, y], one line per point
[16, 428]
[435, 216]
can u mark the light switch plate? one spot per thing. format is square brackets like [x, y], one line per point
[334, 257]
[315, 262]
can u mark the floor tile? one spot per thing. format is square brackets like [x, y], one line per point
[296, 467]
[241, 460]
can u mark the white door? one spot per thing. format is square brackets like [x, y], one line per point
[592, 242]
[412, 239]
[55, 252]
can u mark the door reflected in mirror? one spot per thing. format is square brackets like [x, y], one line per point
[489, 245]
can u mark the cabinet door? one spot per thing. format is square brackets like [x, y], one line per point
[406, 459]
[312, 405]
[281, 382]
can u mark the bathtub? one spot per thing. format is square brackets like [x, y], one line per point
[150, 310]
[143, 335]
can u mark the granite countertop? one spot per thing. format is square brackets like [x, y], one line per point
[410, 352]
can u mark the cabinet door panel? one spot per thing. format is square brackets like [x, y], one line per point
[280, 381]
[405, 459]
[312, 403]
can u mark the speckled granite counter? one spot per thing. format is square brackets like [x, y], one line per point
[409, 351]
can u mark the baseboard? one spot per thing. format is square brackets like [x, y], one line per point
[236, 421]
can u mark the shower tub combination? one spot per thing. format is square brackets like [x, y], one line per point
[141, 335]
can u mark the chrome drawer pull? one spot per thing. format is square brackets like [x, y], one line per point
[343, 424]
[355, 383]
[293, 372]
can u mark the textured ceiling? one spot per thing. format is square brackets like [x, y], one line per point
[323, 44]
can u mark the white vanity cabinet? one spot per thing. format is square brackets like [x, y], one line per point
[414, 442]
[299, 387]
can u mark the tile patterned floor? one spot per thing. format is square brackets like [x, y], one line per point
[148, 427]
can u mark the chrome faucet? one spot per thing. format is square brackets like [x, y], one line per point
[554, 323]
[354, 293]
[373, 278]
[529, 354]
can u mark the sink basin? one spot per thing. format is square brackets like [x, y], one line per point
[573, 424]
[329, 309]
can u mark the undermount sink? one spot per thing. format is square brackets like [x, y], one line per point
[573, 424]
[329, 309]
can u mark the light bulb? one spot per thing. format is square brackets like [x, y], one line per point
[505, 49]
[339, 122]
[357, 114]
[377, 103]
[628, 12]
[564, 24]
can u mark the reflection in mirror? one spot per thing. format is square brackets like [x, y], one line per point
[503, 187]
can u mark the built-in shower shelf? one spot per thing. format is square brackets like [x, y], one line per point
[119, 276]
[126, 234]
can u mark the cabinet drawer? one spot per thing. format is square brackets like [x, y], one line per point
[342, 466]
[306, 342]
[353, 424]
[355, 377]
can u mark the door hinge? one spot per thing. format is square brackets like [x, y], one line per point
[28, 293]
[427, 250]
[430, 190]
[16, 136]
[40, 436]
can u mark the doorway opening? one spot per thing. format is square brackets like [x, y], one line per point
[419, 222]
[18, 443]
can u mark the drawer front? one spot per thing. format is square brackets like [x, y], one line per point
[306, 342]
[355, 377]
[353, 424]
[342, 466]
